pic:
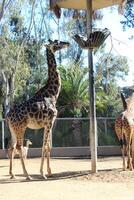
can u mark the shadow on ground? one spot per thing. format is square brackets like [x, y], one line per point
[104, 175]
[55, 176]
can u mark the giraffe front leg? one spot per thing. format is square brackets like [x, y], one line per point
[42, 163]
[49, 173]
[46, 151]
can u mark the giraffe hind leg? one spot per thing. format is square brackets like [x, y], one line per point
[20, 150]
[123, 147]
[130, 166]
[11, 152]
[17, 142]
[132, 150]
[21, 154]
[11, 157]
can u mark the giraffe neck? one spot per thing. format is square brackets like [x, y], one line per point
[53, 84]
[54, 81]
[52, 66]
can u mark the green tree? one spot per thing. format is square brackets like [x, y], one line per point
[11, 70]
[12, 36]
[128, 21]
[109, 70]
[73, 99]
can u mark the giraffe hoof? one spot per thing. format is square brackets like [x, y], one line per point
[44, 177]
[12, 177]
[28, 178]
[49, 173]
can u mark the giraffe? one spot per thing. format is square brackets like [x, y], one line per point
[124, 129]
[37, 112]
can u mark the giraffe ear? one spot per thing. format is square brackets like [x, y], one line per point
[50, 41]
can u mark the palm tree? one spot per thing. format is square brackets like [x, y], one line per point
[74, 92]
[73, 99]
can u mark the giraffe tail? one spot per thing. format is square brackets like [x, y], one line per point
[122, 141]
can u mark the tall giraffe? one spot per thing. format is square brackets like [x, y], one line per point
[124, 128]
[37, 112]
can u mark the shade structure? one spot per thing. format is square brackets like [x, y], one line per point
[81, 4]
[90, 6]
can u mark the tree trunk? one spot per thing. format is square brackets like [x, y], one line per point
[9, 92]
[76, 125]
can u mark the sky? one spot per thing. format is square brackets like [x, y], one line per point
[122, 45]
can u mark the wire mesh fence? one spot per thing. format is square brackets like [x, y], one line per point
[69, 132]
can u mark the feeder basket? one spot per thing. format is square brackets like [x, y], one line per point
[95, 39]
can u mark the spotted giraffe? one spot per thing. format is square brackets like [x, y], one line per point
[37, 112]
[124, 129]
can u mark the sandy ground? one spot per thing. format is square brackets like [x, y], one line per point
[72, 179]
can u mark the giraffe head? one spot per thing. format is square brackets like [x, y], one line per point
[56, 45]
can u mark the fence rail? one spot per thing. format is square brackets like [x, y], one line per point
[69, 132]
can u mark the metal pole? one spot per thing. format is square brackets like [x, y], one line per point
[93, 127]
[3, 144]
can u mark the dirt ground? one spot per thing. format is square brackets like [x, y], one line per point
[71, 179]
